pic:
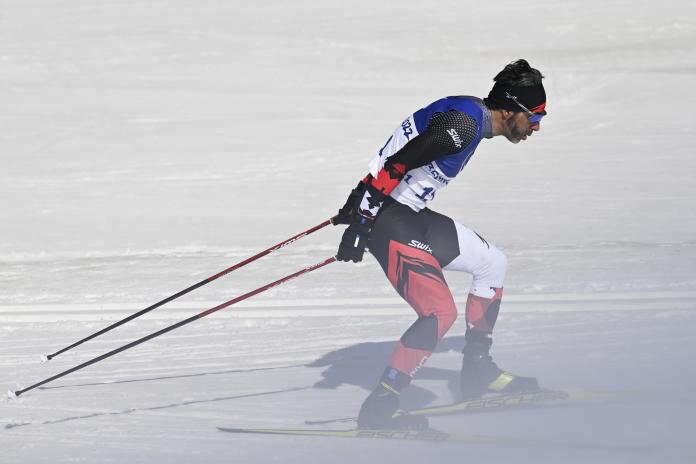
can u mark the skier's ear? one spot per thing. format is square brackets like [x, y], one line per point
[507, 114]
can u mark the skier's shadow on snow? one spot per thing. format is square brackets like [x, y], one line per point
[362, 365]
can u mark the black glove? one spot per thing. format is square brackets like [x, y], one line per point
[345, 214]
[354, 241]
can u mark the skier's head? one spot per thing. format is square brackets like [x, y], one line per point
[518, 101]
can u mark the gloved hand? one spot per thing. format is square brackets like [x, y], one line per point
[345, 214]
[354, 240]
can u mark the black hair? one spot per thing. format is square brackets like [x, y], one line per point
[516, 74]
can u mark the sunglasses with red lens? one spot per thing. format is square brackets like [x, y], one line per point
[532, 117]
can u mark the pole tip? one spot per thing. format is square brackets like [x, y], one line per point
[44, 358]
[11, 395]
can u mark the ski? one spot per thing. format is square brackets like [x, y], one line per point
[419, 435]
[432, 435]
[521, 400]
[540, 398]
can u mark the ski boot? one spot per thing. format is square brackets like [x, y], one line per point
[381, 408]
[480, 375]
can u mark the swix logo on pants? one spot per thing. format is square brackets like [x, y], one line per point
[421, 246]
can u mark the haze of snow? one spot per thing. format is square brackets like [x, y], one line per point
[147, 145]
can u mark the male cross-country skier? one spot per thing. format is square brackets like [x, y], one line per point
[387, 214]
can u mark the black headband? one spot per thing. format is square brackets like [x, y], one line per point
[531, 96]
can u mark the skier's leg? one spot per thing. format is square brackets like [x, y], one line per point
[488, 265]
[418, 278]
[398, 242]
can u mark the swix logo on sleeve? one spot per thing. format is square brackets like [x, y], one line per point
[455, 137]
[421, 246]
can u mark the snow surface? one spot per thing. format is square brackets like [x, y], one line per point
[147, 145]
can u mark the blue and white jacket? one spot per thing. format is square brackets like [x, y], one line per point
[426, 152]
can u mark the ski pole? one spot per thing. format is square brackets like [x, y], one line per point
[175, 326]
[193, 287]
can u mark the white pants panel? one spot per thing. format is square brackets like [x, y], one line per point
[481, 259]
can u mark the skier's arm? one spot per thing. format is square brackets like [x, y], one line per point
[446, 133]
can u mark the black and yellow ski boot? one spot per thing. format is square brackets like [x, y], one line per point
[381, 408]
[481, 376]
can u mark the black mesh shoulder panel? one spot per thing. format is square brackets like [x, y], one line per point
[446, 133]
[451, 131]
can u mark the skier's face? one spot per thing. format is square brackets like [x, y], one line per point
[519, 127]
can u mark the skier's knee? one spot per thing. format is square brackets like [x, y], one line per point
[446, 319]
[422, 335]
[490, 275]
[428, 330]
[499, 265]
